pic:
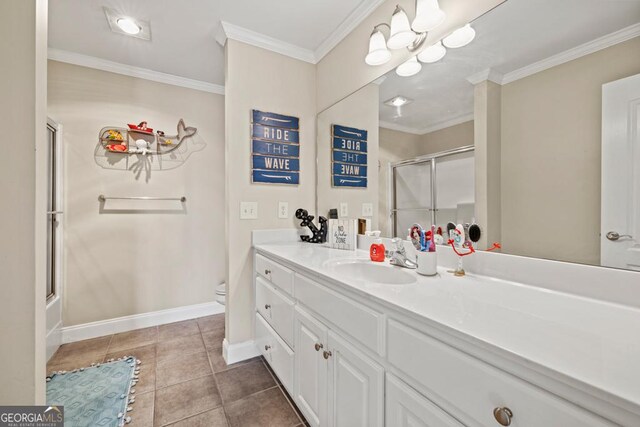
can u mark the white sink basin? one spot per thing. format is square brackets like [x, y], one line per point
[368, 271]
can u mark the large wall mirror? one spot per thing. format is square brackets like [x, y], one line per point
[534, 136]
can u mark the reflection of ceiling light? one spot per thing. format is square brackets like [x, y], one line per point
[378, 52]
[460, 37]
[397, 101]
[433, 53]
[428, 16]
[128, 25]
[401, 34]
[409, 68]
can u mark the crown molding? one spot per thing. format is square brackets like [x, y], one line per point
[467, 117]
[132, 71]
[355, 18]
[253, 38]
[399, 128]
[574, 53]
[489, 74]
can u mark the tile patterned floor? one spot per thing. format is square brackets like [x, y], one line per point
[184, 381]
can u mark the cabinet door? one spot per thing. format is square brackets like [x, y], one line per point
[407, 408]
[356, 387]
[310, 378]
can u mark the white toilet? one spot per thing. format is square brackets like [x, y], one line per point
[221, 292]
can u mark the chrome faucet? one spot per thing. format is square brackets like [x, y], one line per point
[399, 255]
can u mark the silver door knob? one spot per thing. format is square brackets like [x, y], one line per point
[318, 346]
[614, 236]
[503, 416]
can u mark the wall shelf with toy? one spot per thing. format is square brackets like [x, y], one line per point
[140, 139]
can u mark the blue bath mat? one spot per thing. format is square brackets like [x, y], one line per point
[99, 395]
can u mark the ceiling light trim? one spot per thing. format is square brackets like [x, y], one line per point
[593, 46]
[253, 38]
[351, 22]
[132, 71]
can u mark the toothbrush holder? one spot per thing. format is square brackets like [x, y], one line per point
[427, 263]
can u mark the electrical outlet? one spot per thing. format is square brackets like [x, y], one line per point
[367, 210]
[283, 210]
[248, 210]
[344, 210]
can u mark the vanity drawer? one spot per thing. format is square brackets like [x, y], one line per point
[275, 351]
[275, 308]
[475, 388]
[275, 273]
[361, 322]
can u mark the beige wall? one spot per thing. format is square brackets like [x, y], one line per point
[360, 110]
[455, 136]
[551, 145]
[23, 43]
[343, 70]
[256, 78]
[119, 264]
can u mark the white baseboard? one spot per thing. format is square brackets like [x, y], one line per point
[54, 340]
[234, 353]
[137, 321]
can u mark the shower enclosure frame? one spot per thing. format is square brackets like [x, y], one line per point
[432, 159]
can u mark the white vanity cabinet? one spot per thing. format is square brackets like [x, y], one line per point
[348, 361]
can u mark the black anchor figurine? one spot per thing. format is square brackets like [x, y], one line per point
[319, 236]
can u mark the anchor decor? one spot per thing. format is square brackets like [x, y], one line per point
[275, 148]
[318, 235]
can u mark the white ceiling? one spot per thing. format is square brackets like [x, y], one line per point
[512, 36]
[183, 32]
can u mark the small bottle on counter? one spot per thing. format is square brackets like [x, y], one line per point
[376, 251]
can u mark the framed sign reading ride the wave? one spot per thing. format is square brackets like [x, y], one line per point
[349, 157]
[275, 148]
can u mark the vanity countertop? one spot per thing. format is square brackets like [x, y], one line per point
[594, 342]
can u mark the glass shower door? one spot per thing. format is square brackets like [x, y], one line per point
[413, 197]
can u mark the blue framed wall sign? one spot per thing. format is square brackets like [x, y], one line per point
[275, 148]
[349, 157]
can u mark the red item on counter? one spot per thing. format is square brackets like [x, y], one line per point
[376, 252]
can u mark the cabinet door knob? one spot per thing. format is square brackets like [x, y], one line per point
[267, 272]
[267, 306]
[326, 354]
[318, 346]
[503, 416]
[267, 347]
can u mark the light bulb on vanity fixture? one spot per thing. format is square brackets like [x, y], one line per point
[428, 16]
[401, 35]
[433, 53]
[460, 37]
[409, 68]
[378, 52]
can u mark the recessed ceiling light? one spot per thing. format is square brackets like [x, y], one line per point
[127, 25]
[398, 101]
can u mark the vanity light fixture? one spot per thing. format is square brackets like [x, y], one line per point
[433, 53]
[398, 101]
[460, 37]
[428, 16]
[409, 68]
[378, 52]
[401, 35]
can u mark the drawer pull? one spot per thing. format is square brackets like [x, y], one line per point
[267, 306]
[503, 416]
[267, 272]
[318, 346]
[327, 354]
[267, 347]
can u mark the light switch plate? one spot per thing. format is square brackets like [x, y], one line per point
[283, 210]
[367, 210]
[344, 210]
[248, 210]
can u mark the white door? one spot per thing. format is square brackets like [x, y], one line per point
[54, 236]
[620, 227]
[356, 387]
[310, 377]
[407, 408]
